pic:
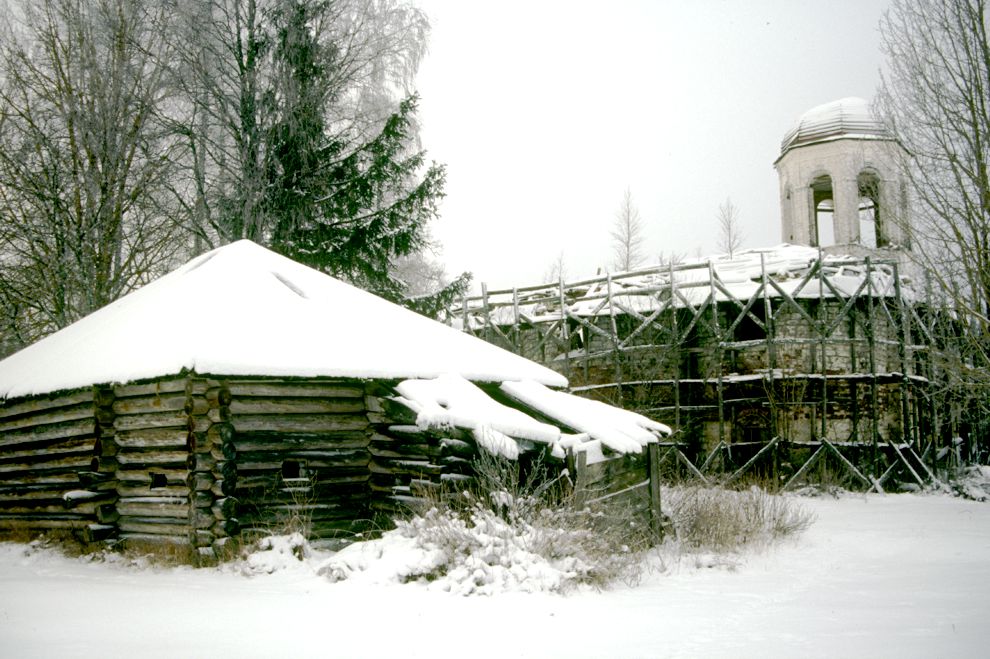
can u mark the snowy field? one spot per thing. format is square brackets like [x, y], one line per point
[875, 576]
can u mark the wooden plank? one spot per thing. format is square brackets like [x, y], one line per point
[609, 470]
[277, 388]
[656, 511]
[247, 442]
[297, 405]
[321, 423]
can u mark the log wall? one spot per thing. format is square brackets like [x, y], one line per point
[301, 455]
[49, 447]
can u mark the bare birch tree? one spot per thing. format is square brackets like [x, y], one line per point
[628, 236]
[730, 237]
[935, 98]
[84, 208]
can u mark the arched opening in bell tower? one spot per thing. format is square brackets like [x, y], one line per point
[823, 204]
[870, 229]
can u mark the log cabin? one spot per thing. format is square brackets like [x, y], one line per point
[244, 394]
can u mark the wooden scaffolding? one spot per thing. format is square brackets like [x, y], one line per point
[791, 371]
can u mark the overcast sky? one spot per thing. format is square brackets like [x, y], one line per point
[546, 111]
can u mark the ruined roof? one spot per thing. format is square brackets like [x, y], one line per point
[846, 118]
[244, 310]
[789, 270]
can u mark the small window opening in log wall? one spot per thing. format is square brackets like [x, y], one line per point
[291, 469]
[158, 481]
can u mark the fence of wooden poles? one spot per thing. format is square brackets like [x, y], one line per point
[830, 369]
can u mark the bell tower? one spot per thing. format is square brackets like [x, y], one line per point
[840, 181]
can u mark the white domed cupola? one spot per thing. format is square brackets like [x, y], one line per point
[840, 182]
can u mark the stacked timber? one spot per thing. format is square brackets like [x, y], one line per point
[212, 477]
[301, 456]
[48, 447]
[409, 462]
[150, 433]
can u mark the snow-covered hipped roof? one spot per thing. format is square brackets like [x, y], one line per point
[847, 118]
[244, 310]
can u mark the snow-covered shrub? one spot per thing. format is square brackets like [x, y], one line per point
[507, 532]
[716, 519]
[276, 553]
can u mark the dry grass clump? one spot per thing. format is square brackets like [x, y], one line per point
[720, 520]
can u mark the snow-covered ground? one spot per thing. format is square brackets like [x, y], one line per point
[876, 576]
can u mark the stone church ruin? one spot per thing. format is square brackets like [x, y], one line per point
[822, 360]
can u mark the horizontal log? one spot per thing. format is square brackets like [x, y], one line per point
[156, 387]
[99, 532]
[295, 389]
[297, 406]
[199, 386]
[130, 508]
[40, 404]
[202, 462]
[60, 449]
[21, 471]
[201, 518]
[201, 499]
[153, 526]
[94, 477]
[218, 396]
[225, 508]
[42, 522]
[172, 476]
[152, 438]
[322, 459]
[196, 405]
[248, 442]
[42, 482]
[202, 538]
[103, 396]
[143, 490]
[457, 447]
[220, 433]
[226, 487]
[199, 424]
[172, 419]
[54, 415]
[227, 527]
[396, 412]
[200, 481]
[322, 423]
[42, 434]
[156, 459]
[150, 404]
[408, 467]
[403, 451]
